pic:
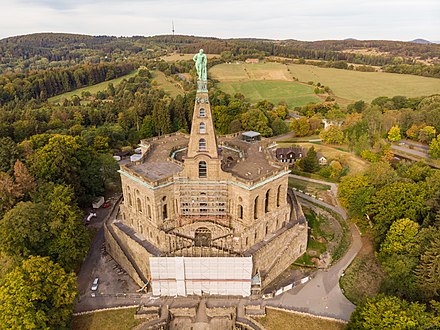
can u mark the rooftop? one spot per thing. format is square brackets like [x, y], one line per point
[251, 134]
[162, 157]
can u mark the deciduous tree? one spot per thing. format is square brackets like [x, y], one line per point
[37, 294]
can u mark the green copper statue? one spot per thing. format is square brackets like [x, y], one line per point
[200, 60]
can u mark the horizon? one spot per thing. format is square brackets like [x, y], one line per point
[221, 38]
[397, 20]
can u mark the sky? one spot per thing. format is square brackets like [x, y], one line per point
[272, 19]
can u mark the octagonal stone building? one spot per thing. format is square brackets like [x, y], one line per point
[203, 213]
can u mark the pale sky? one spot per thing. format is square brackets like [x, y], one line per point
[273, 19]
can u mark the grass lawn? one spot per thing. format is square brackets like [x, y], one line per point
[92, 89]
[362, 278]
[347, 85]
[122, 319]
[276, 320]
[311, 187]
[167, 84]
[293, 93]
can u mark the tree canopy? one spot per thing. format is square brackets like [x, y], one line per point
[37, 294]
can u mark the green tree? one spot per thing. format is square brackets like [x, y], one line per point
[388, 313]
[348, 187]
[255, 120]
[428, 271]
[279, 127]
[380, 174]
[426, 134]
[24, 231]
[396, 201]
[434, 147]
[401, 238]
[332, 135]
[100, 144]
[310, 162]
[37, 294]
[68, 160]
[300, 127]
[8, 154]
[394, 134]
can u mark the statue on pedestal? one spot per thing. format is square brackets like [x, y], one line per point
[200, 59]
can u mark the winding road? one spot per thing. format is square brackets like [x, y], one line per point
[322, 295]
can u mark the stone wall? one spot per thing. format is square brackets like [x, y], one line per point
[281, 251]
[113, 248]
[128, 253]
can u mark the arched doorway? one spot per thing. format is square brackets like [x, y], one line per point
[202, 237]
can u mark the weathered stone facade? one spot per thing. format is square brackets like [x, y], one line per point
[203, 195]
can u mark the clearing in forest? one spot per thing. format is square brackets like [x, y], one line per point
[347, 85]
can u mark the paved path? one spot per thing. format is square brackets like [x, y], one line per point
[322, 295]
[413, 152]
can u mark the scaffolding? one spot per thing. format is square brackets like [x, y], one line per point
[203, 201]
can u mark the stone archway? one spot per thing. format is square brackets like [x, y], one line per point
[202, 237]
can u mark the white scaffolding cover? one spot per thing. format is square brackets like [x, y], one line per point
[181, 276]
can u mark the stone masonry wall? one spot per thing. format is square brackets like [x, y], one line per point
[274, 257]
[138, 253]
[119, 256]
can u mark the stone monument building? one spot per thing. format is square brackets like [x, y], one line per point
[215, 209]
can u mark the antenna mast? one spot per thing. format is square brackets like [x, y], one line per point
[172, 22]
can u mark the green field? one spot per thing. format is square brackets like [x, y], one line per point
[92, 89]
[167, 84]
[294, 94]
[346, 85]
[163, 82]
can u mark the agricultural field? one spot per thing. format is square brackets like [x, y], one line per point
[92, 89]
[170, 86]
[294, 94]
[347, 85]
[276, 319]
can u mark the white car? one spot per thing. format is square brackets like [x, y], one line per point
[90, 216]
[95, 284]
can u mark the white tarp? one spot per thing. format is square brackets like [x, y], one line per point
[181, 276]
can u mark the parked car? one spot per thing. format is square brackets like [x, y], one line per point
[90, 216]
[95, 284]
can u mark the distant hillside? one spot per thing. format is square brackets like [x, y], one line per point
[46, 50]
[421, 41]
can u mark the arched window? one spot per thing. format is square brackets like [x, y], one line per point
[279, 196]
[129, 200]
[165, 211]
[202, 144]
[256, 208]
[266, 201]
[202, 112]
[149, 210]
[240, 211]
[202, 169]
[139, 205]
[202, 128]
